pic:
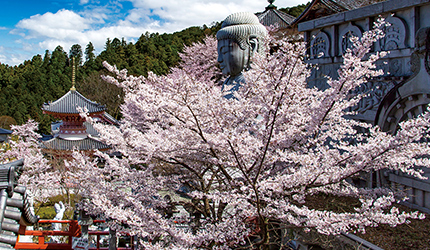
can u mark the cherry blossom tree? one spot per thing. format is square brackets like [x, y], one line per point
[249, 162]
[37, 175]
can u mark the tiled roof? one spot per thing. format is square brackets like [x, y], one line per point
[5, 131]
[68, 103]
[110, 119]
[272, 16]
[90, 129]
[15, 206]
[83, 144]
[345, 5]
[334, 6]
[352, 4]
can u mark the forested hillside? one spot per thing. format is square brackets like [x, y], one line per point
[295, 10]
[24, 88]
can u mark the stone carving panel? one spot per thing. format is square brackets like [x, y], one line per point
[320, 45]
[319, 74]
[395, 34]
[396, 67]
[346, 35]
[373, 92]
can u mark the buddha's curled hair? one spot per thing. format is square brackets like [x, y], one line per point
[241, 27]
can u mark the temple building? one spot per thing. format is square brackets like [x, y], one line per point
[322, 8]
[403, 92]
[72, 132]
[272, 16]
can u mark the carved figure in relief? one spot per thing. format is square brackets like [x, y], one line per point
[346, 35]
[395, 34]
[395, 66]
[239, 38]
[371, 100]
[320, 45]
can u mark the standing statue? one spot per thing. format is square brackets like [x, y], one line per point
[59, 210]
[239, 38]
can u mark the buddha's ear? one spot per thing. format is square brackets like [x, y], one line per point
[254, 44]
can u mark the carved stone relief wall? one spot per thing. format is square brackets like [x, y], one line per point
[403, 92]
[320, 45]
[373, 92]
[330, 42]
[400, 66]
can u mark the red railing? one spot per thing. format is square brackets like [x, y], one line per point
[73, 231]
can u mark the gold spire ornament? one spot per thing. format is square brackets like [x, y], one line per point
[73, 75]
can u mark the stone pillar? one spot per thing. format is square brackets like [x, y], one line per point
[112, 239]
[84, 221]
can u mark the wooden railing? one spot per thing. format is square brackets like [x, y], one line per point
[74, 230]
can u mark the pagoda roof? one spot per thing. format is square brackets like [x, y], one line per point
[110, 119]
[5, 131]
[88, 143]
[68, 104]
[272, 16]
[90, 129]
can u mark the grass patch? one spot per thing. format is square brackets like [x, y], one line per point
[46, 210]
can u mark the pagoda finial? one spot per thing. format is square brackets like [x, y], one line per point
[271, 5]
[73, 75]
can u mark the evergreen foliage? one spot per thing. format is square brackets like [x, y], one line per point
[295, 10]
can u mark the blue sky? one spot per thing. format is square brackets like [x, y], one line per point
[29, 27]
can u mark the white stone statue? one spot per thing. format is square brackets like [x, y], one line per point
[239, 38]
[59, 210]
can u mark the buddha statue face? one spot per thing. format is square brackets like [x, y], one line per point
[231, 57]
[238, 39]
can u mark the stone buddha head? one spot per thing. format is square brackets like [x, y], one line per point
[239, 38]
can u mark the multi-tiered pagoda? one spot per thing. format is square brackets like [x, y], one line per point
[74, 132]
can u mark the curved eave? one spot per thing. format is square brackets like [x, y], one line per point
[332, 5]
[5, 131]
[305, 12]
[98, 113]
[86, 144]
[269, 17]
[107, 117]
[70, 101]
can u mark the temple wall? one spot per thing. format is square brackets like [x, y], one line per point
[327, 38]
[402, 92]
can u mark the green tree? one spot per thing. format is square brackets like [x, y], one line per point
[89, 52]
[96, 89]
[295, 10]
[76, 52]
